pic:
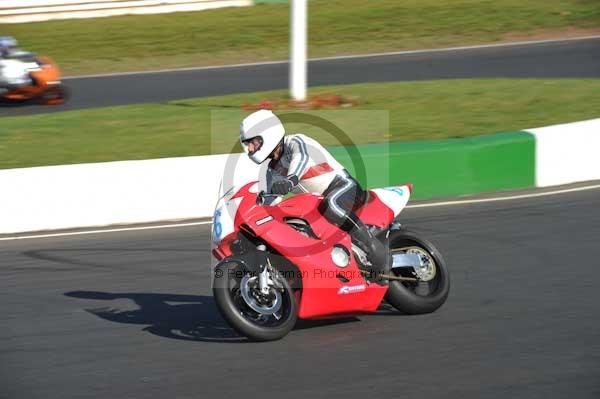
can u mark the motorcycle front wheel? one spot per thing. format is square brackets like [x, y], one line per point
[54, 95]
[257, 316]
[423, 292]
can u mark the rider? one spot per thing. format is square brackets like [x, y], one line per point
[8, 45]
[14, 64]
[299, 163]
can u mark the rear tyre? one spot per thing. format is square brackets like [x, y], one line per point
[418, 297]
[258, 318]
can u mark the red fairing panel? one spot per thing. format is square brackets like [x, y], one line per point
[323, 292]
[384, 204]
[375, 212]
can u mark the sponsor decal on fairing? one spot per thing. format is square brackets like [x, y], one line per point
[351, 289]
[262, 221]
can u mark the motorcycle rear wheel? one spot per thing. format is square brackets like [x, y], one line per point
[242, 316]
[421, 296]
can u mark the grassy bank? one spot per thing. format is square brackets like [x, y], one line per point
[261, 32]
[392, 111]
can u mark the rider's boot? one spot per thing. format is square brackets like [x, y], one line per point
[377, 252]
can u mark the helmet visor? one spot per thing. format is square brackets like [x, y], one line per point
[252, 145]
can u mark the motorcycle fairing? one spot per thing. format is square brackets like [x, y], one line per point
[46, 74]
[324, 292]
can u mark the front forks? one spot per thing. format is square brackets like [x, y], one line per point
[263, 279]
[268, 274]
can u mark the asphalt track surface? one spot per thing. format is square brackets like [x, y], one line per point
[130, 315]
[573, 58]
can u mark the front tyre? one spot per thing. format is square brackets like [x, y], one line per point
[258, 317]
[54, 95]
[431, 287]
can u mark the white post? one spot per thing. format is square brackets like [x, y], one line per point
[298, 23]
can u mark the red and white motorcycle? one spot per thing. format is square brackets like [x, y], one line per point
[281, 260]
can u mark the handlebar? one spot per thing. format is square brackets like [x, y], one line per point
[260, 198]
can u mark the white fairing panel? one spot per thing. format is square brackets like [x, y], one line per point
[395, 197]
[225, 211]
[223, 219]
[14, 72]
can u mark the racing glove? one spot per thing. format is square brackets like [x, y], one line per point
[284, 186]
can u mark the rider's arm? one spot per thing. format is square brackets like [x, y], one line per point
[23, 56]
[297, 156]
[296, 149]
[299, 161]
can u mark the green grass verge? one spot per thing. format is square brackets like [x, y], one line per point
[393, 111]
[258, 33]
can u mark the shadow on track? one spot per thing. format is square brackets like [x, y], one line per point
[28, 107]
[12, 104]
[184, 317]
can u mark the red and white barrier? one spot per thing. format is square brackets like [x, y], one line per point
[12, 11]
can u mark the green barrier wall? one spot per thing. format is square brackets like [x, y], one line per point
[447, 167]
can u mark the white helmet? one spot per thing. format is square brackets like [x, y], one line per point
[266, 125]
[7, 44]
